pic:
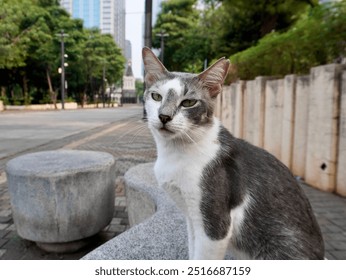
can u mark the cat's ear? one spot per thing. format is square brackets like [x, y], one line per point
[214, 76]
[153, 67]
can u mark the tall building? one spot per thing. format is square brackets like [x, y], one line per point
[88, 10]
[120, 11]
[107, 15]
[128, 50]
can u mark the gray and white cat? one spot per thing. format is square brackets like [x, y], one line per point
[232, 194]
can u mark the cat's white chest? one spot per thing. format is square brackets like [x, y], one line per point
[180, 168]
[179, 172]
[179, 176]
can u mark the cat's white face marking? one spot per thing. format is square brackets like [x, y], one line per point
[174, 84]
[168, 98]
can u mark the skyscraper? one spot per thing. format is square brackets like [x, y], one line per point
[128, 50]
[120, 23]
[88, 10]
[107, 15]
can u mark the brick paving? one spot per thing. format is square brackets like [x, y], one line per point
[132, 144]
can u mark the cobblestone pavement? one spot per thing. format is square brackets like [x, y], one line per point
[132, 144]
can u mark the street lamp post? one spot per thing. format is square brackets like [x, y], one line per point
[103, 84]
[162, 35]
[62, 35]
[148, 23]
[147, 36]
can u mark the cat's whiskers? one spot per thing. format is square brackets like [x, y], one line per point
[182, 141]
[196, 144]
[141, 126]
[138, 131]
[199, 132]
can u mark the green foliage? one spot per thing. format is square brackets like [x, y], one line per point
[70, 99]
[30, 53]
[221, 28]
[5, 100]
[178, 19]
[239, 24]
[139, 88]
[100, 51]
[19, 24]
[317, 38]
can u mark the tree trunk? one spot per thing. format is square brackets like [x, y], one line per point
[52, 94]
[25, 90]
[3, 91]
[84, 96]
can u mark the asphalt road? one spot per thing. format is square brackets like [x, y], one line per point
[22, 132]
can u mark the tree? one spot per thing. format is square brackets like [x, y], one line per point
[139, 88]
[220, 28]
[316, 39]
[241, 23]
[30, 52]
[13, 38]
[99, 53]
[177, 18]
[22, 25]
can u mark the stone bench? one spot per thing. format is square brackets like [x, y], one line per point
[158, 228]
[60, 198]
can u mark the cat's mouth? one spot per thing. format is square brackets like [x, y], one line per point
[164, 129]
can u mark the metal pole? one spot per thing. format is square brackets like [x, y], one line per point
[205, 64]
[148, 23]
[62, 35]
[162, 34]
[162, 47]
[103, 85]
[147, 36]
[62, 70]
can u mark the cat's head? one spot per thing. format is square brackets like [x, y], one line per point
[180, 105]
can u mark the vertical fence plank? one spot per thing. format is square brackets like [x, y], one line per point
[254, 100]
[238, 105]
[232, 108]
[323, 127]
[301, 125]
[288, 120]
[274, 95]
[227, 107]
[217, 108]
[341, 168]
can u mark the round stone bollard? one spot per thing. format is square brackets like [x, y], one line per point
[60, 198]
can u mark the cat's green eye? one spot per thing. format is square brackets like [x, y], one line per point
[188, 102]
[156, 96]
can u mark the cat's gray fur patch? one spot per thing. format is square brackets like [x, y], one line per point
[279, 224]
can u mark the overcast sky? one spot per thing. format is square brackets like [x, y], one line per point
[135, 29]
[134, 33]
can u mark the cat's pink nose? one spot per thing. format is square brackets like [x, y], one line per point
[164, 118]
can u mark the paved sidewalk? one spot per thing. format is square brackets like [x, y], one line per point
[129, 142]
[132, 144]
